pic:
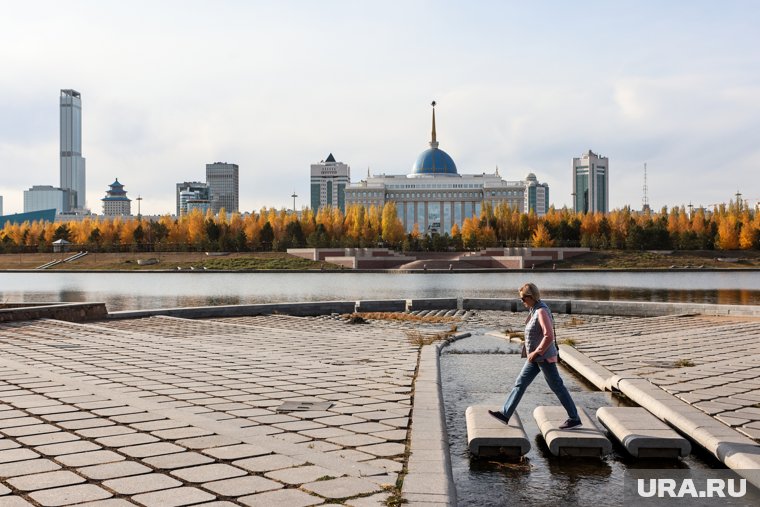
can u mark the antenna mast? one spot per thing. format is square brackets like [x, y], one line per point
[645, 199]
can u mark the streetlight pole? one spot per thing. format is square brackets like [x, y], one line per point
[138, 206]
[294, 200]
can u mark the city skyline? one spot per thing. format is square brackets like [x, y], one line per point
[273, 88]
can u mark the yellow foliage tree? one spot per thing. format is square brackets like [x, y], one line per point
[541, 237]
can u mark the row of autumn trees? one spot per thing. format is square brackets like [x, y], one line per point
[727, 227]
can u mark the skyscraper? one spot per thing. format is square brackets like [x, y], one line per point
[222, 181]
[72, 162]
[329, 180]
[591, 185]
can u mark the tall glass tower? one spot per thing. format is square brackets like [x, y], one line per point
[72, 162]
[591, 185]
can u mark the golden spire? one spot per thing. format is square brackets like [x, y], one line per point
[433, 141]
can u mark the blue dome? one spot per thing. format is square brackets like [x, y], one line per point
[434, 161]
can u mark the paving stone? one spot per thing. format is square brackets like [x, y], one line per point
[137, 418]
[154, 449]
[86, 423]
[174, 497]
[32, 466]
[11, 455]
[45, 480]
[141, 483]
[368, 427]
[126, 440]
[6, 443]
[206, 442]
[355, 440]
[342, 487]
[302, 475]
[242, 486]
[48, 438]
[113, 470]
[178, 433]
[351, 454]
[70, 495]
[14, 501]
[207, 473]
[89, 458]
[236, 451]
[383, 450]
[326, 433]
[111, 502]
[268, 463]
[106, 431]
[18, 421]
[289, 497]
[67, 448]
[68, 416]
[339, 420]
[158, 425]
[37, 429]
[177, 460]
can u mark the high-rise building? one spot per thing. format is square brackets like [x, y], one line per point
[190, 191]
[43, 197]
[222, 181]
[536, 196]
[591, 184]
[116, 202]
[72, 162]
[329, 180]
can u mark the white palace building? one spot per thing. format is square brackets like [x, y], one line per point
[435, 196]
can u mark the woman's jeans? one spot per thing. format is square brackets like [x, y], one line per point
[551, 374]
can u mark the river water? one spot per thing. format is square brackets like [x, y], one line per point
[130, 291]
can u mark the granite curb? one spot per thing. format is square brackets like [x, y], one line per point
[735, 450]
[429, 479]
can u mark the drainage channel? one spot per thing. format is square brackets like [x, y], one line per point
[481, 370]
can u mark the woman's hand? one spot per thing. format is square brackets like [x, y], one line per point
[532, 356]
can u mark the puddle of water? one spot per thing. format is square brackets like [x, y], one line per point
[481, 370]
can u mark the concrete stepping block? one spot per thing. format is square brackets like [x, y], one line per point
[582, 441]
[487, 436]
[642, 434]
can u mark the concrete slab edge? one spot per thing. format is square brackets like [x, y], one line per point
[622, 308]
[735, 450]
[429, 474]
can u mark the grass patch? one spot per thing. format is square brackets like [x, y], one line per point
[568, 341]
[575, 321]
[419, 338]
[511, 333]
[257, 263]
[325, 478]
[683, 363]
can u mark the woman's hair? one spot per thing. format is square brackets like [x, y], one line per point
[530, 289]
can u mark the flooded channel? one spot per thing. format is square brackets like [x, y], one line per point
[481, 370]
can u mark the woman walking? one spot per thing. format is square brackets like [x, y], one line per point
[542, 357]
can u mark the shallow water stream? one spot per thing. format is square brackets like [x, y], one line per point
[481, 370]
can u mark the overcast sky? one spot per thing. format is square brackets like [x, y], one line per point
[168, 86]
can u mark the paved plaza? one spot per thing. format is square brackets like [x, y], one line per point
[165, 411]
[710, 362]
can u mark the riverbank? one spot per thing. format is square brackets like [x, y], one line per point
[259, 261]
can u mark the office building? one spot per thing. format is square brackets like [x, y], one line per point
[190, 191]
[44, 197]
[116, 202]
[72, 162]
[222, 181]
[591, 184]
[329, 180]
[434, 196]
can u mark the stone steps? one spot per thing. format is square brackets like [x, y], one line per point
[487, 436]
